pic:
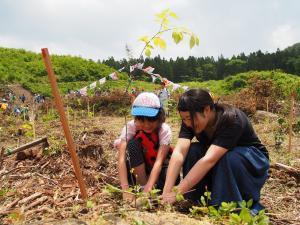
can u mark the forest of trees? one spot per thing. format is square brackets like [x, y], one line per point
[208, 68]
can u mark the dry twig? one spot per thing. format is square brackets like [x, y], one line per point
[37, 202]
[31, 197]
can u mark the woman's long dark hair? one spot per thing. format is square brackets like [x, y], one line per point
[195, 100]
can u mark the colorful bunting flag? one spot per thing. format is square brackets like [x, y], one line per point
[102, 80]
[114, 76]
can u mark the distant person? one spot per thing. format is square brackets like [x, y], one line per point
[228, 159]
[4, 106]
[17, 111]
[12, 97]
[22, 98]
[42, 98]
[148, 146]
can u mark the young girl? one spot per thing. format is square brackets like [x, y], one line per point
[146, 147]
[228, 159]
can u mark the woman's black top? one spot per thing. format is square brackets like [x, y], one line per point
[228, 133]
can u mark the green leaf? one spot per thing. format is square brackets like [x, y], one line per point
[174, 15]
[179, 197]
[243, 204]
[208, 195]
[213, 211]
[156, 41]
[89, 204]
[144, 39]
[202, 199]
[197, 40]
[249, 203]
[224, 204]
[159, 42]
[235, 218]
[192, 41]
[148, 52]
[162, 44]
[177, 37]
[111, 189]
[245, 215]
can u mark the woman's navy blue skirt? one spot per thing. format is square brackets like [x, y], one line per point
[238, 175]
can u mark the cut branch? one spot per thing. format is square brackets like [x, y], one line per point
[31, 197]
[37, 202]
[28, 145]
[290, 170]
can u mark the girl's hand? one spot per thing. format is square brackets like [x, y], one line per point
[169, 197]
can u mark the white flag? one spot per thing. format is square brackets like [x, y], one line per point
[175, 87]
[185, 88]
[153, 78]
[102, 80]
[140, 66]
[120, 70]
[83, 91]
[93, 85]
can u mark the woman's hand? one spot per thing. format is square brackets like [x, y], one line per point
[169, 197]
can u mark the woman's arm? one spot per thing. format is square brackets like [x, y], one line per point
[161, 156]
[175, 163]
[201, 168]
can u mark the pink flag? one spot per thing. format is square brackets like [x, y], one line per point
[114, 76]
[149, 70]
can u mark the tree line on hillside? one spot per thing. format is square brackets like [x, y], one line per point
[208, 68]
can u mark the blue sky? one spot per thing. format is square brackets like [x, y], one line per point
[97, 29]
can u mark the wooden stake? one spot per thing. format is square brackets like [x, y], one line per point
[60, 108]
[291, 118]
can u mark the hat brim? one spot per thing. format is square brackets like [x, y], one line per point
[144, 111]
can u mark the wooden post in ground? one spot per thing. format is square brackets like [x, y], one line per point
[291, 118]
[60, 108]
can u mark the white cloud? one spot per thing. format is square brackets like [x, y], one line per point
[283, 36]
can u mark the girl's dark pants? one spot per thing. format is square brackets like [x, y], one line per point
[238, 175]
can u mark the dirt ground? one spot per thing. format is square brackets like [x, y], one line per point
[40, 186]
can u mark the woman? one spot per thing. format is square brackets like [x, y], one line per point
[148, 146]
[228, 159]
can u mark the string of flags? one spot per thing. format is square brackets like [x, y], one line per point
[148, 70]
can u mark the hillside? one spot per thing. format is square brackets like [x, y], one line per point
[27, 68]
